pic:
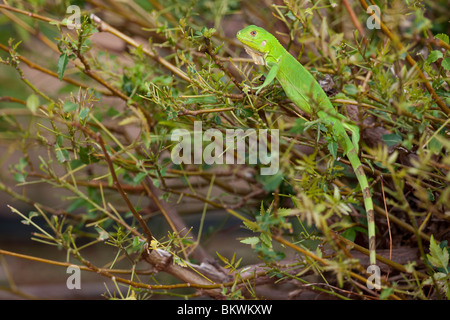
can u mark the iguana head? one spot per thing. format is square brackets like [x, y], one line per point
[257, 42]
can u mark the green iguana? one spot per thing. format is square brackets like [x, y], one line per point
[301, 87]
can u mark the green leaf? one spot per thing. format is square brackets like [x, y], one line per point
[62, 155]
[446, 63]
[162, 80]
[332, 147]
[59, 140]
[84, 113]
[69, 106]
[32, 214]
[19, 177]
[250, 226]
[21, 164]
[349, 234]
[291, 16]
[299, 126]
[438, 256]
[442, 36]
[139, 177]
[350, 89]
[435, 145]
[271, 182]
[137, 244]
[33, 103]
[102, 234]
[224, 260]
[386, 293]
[86, 156]
[430, 195]
[77, 203]
[433, 56]
[62, 64]
[266, 240]
[251, 241]
[201, 99]
[217, 119]
[391, 139]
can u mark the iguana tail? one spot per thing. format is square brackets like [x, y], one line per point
[352, 156]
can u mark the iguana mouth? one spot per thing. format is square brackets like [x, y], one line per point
[258, 57]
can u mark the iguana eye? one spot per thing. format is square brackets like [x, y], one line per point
[253, 33]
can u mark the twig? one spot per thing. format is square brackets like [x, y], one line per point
[353, 17]
[183, 111]
[88, 71]
[51, 73]
[103, 26]
[394, 38]
[210, 51]
[98, 138]
[384, 260]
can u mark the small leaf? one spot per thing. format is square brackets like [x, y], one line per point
[251, 241]
[250, 226]
[84, 113]
[386, 293]
[102, 234]
[62, 64]
[86, 156]
[22, 164]
[266, 240]
[350, 89]
[19, 177]
[179, 261]
[442, 36]
[262, 211]
[349, 234]
[59, 140]
[217, 119]
[434, 56]
[224, 260]
[33, 103]
[435, 145]
[32, 214]
[137, 244]
[332, 147]
[430, 195]
[298, 126]
[139, 177]
[69, 106]
[271, 182]
[202, 99]
[438, 256]
[77, 203]
[391, 139]
[446, 63]
[62, 155]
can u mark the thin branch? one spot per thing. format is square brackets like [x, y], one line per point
[98, 138]
[210, 51]
[395, 39]
[103, 26]
[53, 74]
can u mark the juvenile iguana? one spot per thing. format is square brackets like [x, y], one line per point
[301, 87]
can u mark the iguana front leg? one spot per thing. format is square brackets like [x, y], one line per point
[273, 71]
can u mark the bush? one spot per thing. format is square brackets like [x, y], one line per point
[90, 106]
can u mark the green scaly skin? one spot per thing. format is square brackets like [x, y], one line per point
[303, 90]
